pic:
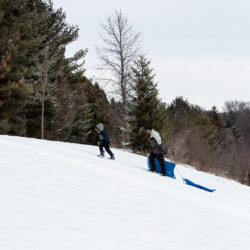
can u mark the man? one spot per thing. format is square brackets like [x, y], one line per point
[157, 150]
[103, 141]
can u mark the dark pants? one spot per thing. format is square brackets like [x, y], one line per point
[106, 148]
[160, 158]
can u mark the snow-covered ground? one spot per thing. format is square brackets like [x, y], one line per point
[56, 196]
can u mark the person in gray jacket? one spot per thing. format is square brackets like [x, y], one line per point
[157, 150]
[103, 141]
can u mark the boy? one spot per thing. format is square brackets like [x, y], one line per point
[103, 141]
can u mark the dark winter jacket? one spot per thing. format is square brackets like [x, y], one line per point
[103, 137]
[156, 143]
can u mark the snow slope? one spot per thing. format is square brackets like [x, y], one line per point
[56, 196]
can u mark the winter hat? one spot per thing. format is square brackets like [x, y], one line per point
[100, 126]
[149, 127]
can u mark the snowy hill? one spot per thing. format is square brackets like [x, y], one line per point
[57, 196]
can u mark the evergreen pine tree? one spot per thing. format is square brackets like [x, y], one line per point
[178, 113]
[115, 122]
[33, 67]
[145, 107]
[51, 68]
[215, 118]
[99, 105]
[13, 90]
[82, 126]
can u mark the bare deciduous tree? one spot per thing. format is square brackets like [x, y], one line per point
[45, 87]
[120, 47]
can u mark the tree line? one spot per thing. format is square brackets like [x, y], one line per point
[44, 94]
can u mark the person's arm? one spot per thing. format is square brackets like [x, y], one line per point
[157, 148]
[153, 143]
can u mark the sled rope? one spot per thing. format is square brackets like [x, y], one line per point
[180, 175]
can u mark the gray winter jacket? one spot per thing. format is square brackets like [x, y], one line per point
[156, 143]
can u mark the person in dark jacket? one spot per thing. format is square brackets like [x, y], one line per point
[103, 141]
[157, 150]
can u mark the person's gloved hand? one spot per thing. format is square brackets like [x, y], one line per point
[98, 143]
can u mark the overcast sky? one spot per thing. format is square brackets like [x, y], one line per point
[199, 49]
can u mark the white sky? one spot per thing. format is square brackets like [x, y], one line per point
[199, 49]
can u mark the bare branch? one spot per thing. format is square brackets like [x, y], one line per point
[120, 47]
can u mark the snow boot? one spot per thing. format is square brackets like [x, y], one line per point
[112, 157]
[101, 155]
[150, 170]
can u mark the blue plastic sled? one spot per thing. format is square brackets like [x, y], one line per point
[168, 165]
[170, 173]
[188, 182]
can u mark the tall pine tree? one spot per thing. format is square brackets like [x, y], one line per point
[145, 107]
[13, 90]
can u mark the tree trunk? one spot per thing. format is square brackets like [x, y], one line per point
[44, 85]
[42, 119]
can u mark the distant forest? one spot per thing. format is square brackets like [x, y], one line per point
[44, 94]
